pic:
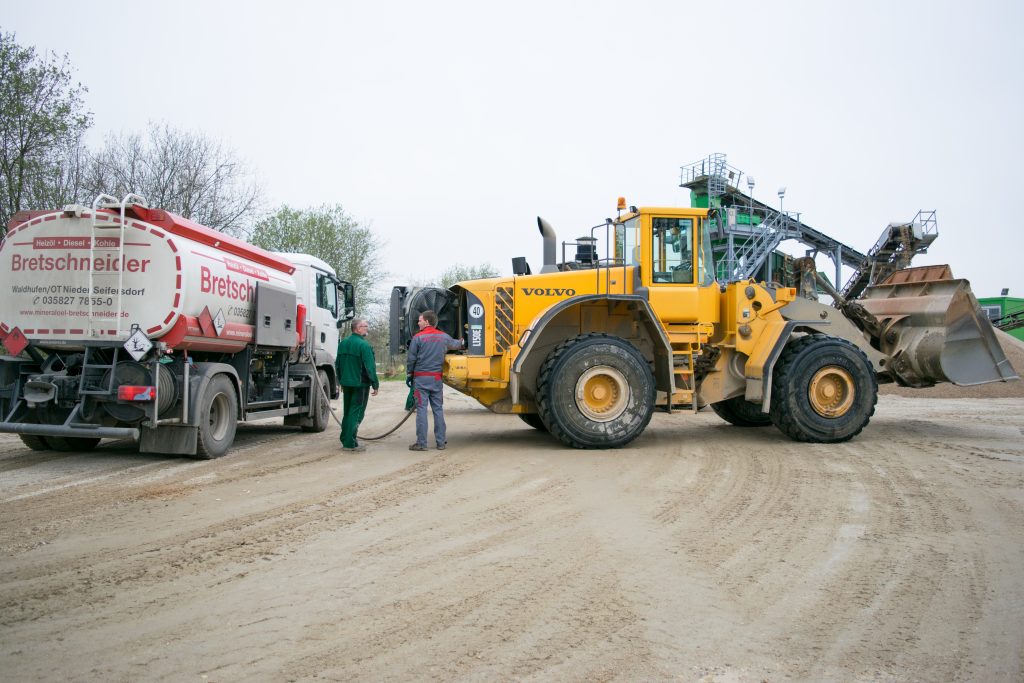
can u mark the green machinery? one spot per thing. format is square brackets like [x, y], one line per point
[746, 234]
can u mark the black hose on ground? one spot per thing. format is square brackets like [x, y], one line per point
[401, 422]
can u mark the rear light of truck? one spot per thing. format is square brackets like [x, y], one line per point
[128, 392]
[300, 322]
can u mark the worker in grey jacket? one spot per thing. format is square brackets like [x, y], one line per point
[423, 373]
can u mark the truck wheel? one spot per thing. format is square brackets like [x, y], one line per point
[595, 391]
[741, 412]
[533, 419]
[218, 418]
[322, 412]
[72, 443]
[35, 442]
[823, 391]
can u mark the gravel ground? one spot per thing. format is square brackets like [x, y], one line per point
[701, 552]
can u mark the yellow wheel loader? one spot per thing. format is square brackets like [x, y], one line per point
[590, 346]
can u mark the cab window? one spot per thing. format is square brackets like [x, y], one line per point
[705, 259]
[326, 294]
[626, 242]
[672, 250]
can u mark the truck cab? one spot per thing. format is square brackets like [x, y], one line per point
[329, 301]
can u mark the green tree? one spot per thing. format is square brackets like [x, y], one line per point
[459, 272]
[330, 233]
[42, 121]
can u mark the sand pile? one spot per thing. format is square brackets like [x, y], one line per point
[1014, 350]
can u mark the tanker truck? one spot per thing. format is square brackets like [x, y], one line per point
[589, 347]
[129, 322]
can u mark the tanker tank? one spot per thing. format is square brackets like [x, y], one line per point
[80, 274]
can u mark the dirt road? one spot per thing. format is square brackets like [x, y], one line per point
[702, 552]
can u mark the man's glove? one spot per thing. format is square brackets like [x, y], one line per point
[408, 381]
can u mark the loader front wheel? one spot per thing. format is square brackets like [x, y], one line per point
[741, 412]
[595, 391]
[823, 390]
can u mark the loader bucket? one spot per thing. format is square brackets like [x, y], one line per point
[934, 330]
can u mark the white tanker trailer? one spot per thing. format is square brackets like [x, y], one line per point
[123, 321]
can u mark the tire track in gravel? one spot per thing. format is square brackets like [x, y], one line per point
[700, 552]
[74, 484]
[490, 572]
[810, 559]
[89, 578]
[736, 517]
[890, 586]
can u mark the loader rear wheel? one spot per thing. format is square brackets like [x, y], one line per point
[533, 419]
[322, 412]
[218, 414]
[824, 390]
[741, 412]
[595, 391]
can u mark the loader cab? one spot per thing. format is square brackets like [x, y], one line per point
[674, 256]
[672, 250]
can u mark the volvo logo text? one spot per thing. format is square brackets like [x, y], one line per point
[549, 291]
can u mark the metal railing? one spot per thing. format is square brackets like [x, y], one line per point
[718, 172]
[895, 248]
[742, 263]
[99, 225]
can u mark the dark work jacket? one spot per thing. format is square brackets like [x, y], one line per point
[427, 350]
[355, 364]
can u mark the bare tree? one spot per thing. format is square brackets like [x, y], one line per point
[42, 120]
[184, 172]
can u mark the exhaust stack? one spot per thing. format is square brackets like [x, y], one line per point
[550, 246]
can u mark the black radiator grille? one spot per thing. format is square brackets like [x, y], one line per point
[503, 314]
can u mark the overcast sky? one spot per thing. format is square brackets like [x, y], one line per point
[449, 126]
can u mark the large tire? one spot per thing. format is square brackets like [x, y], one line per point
[72, 443]
[35, 442]
[741, 412]
[322, 411]
[595, 391]
[218, 418]
[533, 419]
[823, 391]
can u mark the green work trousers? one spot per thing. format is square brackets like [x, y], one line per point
[354, 401]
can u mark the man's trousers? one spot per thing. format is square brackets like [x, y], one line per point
[354, 401]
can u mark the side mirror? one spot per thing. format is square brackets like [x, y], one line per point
[348, 296]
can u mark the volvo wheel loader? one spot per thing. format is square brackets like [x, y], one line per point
[589, 347]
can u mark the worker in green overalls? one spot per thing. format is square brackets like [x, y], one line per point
[357, 374]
